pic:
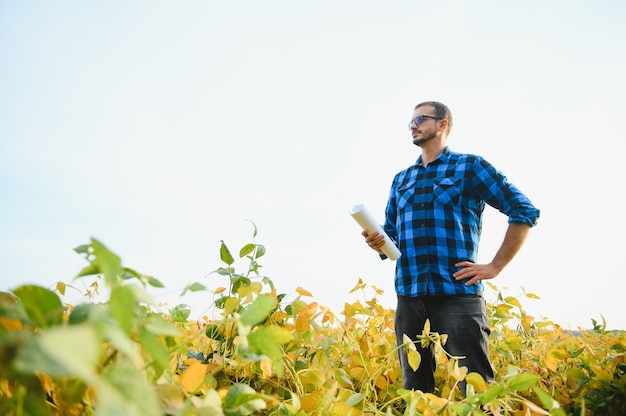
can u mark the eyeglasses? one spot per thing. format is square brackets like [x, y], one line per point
[420, 119]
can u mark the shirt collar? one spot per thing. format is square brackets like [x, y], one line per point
[443, 157]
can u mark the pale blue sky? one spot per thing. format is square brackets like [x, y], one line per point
[161, 127]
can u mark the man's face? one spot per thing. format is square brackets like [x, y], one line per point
[428, 126]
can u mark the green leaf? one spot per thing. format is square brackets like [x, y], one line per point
[242, 400]
[197, 287]
[11, 307]
[355, 399]
[266, 340]
[109, 263]
[150, 343]
[122, 305]
[225, 271]
[254, 230]
[84, 249]
[548, 402]
[213, 332]
[158, 325]
[107, 330]
[225, 254]
[239, 281]
[269, 282]
[62, 352]
[35, 404]
[42, 306]
[153, 281]
[92, 269]
[194, 287]
[141, 295]
[262, 344]
[125, 391]
[521, 382]
[180, 313]
[277, 333]
[461, 409]
[83, 312]
[209, 405]
[494, 391]
[128, 273]
[259, 310]
[260, 251]
[247, 249]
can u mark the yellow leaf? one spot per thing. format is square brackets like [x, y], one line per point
[477, 381]
[344, 410]
[459, 373]
[230, 305]
[252, 288]
[512, 301]
[349, 323]
[61, 288]
[381, 382]
[223, 392]
[278, 316]
[328, 317]
[11, 324]
[551, 362]
[310, 311]
[171, 397]
[303, 292]
[219, 290]
[408, 343]
[312, 377]
[439, 402]
[414, 359]
[358, 286]
[357, 373]
[266, 368]
[230, 329]
[193, 377]
[311, 401]
[503, 309]
[302, 324]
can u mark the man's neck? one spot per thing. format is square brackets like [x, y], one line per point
[431, 152]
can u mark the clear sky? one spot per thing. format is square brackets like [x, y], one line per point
[161, 127]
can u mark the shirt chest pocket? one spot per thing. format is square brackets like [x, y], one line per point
[405, 194]
[447, 191]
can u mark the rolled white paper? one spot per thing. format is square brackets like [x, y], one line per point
[367, 222]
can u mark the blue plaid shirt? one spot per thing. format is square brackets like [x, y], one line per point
[434, 215]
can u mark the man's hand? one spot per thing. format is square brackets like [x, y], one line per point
[375, 241]
[475, 272]
[513, 239]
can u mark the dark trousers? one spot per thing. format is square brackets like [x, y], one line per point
[462, 318]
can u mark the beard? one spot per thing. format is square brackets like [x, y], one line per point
[424, 139]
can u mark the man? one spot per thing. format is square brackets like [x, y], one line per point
[434, 215]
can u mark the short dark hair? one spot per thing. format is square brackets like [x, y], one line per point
[441, 111]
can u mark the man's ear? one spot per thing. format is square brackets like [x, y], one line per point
[444, 125]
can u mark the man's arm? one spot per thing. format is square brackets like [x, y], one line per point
[514, 238]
